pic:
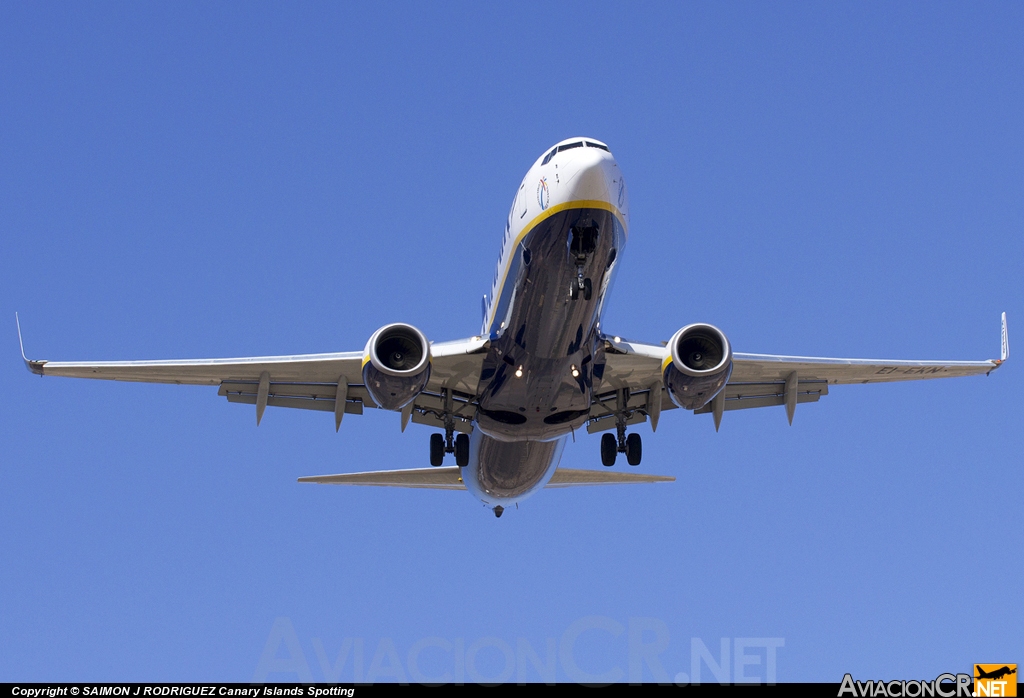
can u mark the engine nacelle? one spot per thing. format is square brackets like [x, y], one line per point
[698, 365]
[396, 365]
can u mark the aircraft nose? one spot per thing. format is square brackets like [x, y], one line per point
[591, 178]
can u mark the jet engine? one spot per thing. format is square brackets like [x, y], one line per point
[396, 365]
[698, 365]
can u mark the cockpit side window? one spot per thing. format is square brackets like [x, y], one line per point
[547, 158]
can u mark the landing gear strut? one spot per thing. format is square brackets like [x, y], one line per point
[449, 443]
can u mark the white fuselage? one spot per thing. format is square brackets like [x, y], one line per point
[572, 178]
[562, 242]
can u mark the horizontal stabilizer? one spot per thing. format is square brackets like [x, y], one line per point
[421, 478]
[564, 477]
[450, 479]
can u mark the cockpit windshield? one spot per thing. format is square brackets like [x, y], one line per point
[570, 146]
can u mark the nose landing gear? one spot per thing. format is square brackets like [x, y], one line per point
[582, 244]
[581, 286]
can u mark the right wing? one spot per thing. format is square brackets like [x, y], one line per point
[759, 380]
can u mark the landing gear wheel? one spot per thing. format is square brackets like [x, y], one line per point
[436, 449]
[588, 289]
[634, 449]
[574, 290]
[609, 449]
[462, 450]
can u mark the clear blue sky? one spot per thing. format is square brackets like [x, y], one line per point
[199, 180]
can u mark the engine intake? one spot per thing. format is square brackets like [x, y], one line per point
[698, 365]
[396, 365]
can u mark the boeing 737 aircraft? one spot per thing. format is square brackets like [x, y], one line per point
[505, 401]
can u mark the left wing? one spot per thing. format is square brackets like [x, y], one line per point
[761, 380]
[306, 381]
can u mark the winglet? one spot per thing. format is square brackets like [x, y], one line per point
[1004, 349]
[35, 367]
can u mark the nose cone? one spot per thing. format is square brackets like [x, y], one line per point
[591, 175]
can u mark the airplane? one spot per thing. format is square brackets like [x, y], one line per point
[996, 674]
[542, 367]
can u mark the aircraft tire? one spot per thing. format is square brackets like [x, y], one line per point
[574, 290]
[588, 289]
[462, 450]
[436, 449]
[634, 449]
[609, 449]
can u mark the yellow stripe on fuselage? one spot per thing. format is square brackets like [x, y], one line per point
[528, 228]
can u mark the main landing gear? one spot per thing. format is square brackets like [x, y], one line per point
[631, 445]
[459, 446]
[449, 443]
[612, 445]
